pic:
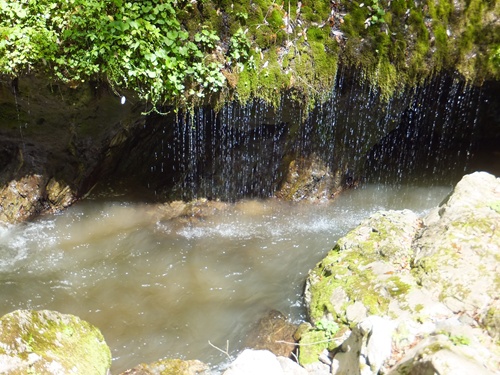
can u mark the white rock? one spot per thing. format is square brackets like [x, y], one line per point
[255, 362]
[379, 346]
[290, 367]
[356, 312]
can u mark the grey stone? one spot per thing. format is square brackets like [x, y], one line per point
[431, 278]
[437, 355]
[317, 368]
[356, 312]
[290, 367]
[337, 299]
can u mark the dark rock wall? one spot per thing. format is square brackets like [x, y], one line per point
[51, 139]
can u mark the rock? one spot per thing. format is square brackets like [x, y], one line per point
[253, 362]
[456, 257]
[48, 342]
[170, 367]
[290, 367]
[369, 267]
[52, 139]
[30, 195]
[356, 312]
[310, 179]
[438, 355]
[437, 279]
[273, 327]
[491, 319]
[317, 368]
[366, 349]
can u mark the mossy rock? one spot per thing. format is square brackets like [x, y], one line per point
[309, 351]
[48, 342]
[457, 255]
[369, 265]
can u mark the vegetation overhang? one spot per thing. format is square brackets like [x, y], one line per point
[195, 52]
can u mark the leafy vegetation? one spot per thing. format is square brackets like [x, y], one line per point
[186, 52]
[133, 44]
[328, 326]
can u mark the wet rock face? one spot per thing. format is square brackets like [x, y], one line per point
[32, 194]
[52, 138]
[434, 278]
[311, 179]
[48, 342]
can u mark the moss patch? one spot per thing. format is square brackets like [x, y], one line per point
[71, 343]
[347, 267]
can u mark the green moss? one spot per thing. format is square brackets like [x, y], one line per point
[417, 39]
[69, 341]
[275, 20]
[495, 206]
[433, 348]
[309, 353]
[397, 288]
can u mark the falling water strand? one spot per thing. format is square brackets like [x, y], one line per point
[14, 87]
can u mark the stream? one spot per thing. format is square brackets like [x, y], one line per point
[163, 288]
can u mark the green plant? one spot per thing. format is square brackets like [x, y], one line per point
[207, 39]
[239, 51]
[459, 340]
[328, 326]
[376, 14]
[134, 44]
[242, 15]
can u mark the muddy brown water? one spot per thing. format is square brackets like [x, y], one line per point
[161, 289]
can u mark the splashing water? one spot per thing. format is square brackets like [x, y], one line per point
[163, 288]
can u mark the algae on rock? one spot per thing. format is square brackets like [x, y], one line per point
[48, 342]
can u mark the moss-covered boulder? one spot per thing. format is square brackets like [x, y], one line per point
[48, 342]
[367, 272]
[458, 252]
[428, 277]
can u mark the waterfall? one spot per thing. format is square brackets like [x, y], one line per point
[424, 135]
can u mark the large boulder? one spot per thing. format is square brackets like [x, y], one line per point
[434, 278]
[48, 342]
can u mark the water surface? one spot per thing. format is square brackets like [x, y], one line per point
[163, 288]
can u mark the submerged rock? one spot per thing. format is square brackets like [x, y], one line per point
[434, 278]
[274, 332]
[48, 342]
[309, 178]
[169, 367]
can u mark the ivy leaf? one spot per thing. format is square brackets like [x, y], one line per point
[172, 35]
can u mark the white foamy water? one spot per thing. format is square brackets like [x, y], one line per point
[164, 288]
